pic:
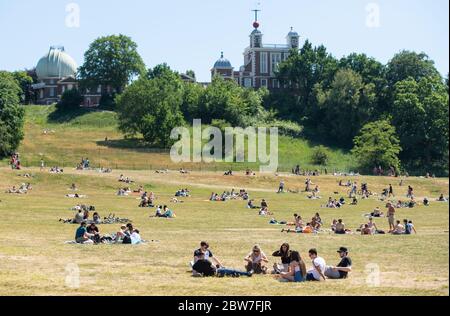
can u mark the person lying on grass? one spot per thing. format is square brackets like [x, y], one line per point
[343, 268]
[76, 196]
[250, 205]
[285, 254]
[296, 270]
[204, 268]
[256, 261]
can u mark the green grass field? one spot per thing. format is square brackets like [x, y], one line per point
[72, 137]
[34, 258]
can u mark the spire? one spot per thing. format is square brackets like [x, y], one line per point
[256, 23]
[221, 55]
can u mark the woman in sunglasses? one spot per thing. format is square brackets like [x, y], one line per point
[256, 261]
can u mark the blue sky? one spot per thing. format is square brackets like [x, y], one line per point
[190, 34]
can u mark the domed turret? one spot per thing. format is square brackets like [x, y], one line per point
[222, 63]
[293, 39]
[56, 64]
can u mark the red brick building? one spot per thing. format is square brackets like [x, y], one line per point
[260, 61]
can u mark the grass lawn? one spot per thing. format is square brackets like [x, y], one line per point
[34, 259]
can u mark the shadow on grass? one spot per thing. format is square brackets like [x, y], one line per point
[61, 115]
[134, 144]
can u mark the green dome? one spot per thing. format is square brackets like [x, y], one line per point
[56, 64]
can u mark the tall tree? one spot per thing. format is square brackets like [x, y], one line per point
[377, 145]
[420, 114]
[410, 64]
[151, 107]
[299, 74]
[111, 61]
[24, 80]
[346, 106]
[11, 114]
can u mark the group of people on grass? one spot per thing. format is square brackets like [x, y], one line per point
[125, 179]
[147, 199]
[164, 212]
[90, 234]
[84, 164]
[56, 169]
[290, 268]
[227, 195]
[22, 189]
[15, 162]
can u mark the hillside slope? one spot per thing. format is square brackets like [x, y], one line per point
[63, 139]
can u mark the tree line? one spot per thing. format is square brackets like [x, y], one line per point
[393, 115]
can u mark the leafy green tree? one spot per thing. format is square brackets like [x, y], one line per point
[24, 80]
[420, 114]
[151, 107]
[408, 64]
[111, 61]
[377, 145]
[11, 114]
[371, 72]
[299, 74]
[225, 100]
[191, 101]
[70, 100]
[345, 107]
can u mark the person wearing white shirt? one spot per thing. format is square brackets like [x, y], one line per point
[319, 266]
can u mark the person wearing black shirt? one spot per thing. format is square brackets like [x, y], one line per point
[204, 268]
[342, 270]
[285, 255]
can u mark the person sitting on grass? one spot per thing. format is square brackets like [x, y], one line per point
[285, 255]
[426, 202]
[82, 236]
[355, 201]
[340, 228]
[73, 187]
[93, 230]
[399, 229]
[409, 227]
[120, 235]
[296, 270]
[96, 218]
[298, 223]
[318, 269]
[207, 253]
[343, 268]
[377, 212]
[442, 198]
[366, 230]
[256, 261]
[316, 223]
[204, 268]
[167, 213]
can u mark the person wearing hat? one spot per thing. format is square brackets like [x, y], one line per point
[342, 270]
